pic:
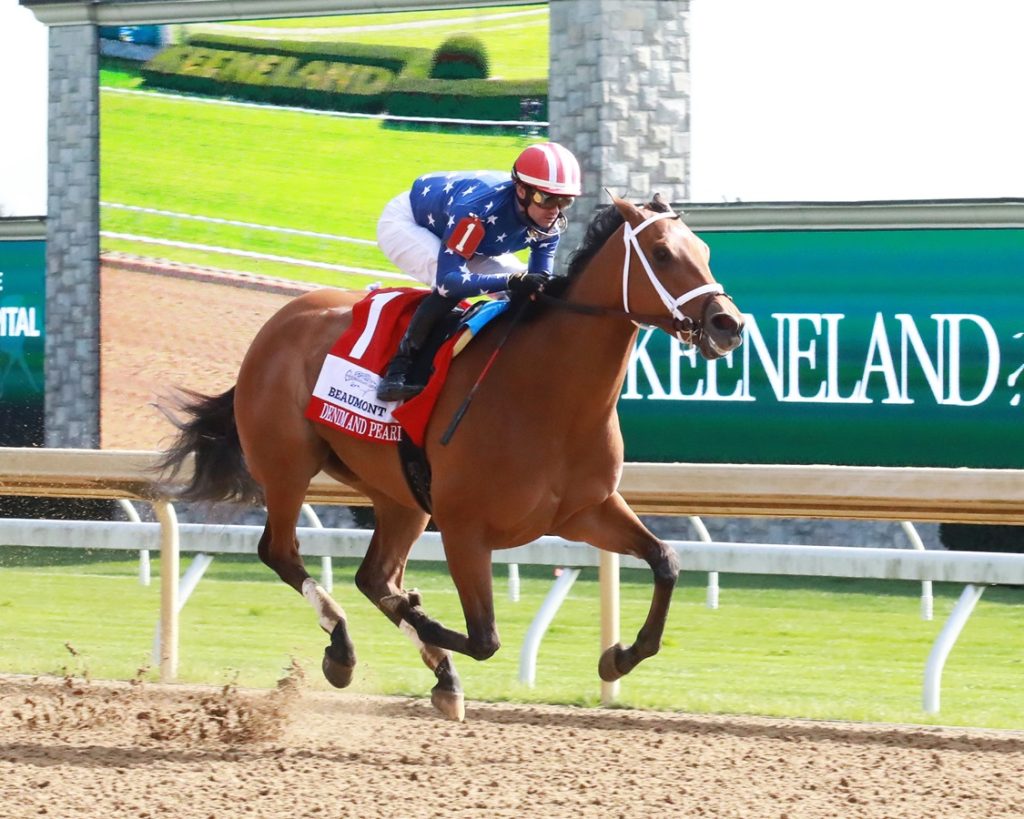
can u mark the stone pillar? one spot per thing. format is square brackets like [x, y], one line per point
[618, 97]
[72, 241]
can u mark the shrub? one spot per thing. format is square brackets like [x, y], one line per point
[461, 57]
[465, 99]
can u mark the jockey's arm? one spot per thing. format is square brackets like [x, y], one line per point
[542, 256]
[456, 281]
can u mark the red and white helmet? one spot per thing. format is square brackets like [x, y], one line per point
[548, 167]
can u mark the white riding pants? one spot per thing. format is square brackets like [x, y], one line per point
[414, 249]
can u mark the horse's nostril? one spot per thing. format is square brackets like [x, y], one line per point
[726, 323]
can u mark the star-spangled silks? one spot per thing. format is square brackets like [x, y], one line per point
[441, 200]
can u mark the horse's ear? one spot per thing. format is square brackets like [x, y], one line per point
[658, 204]
[628, 210]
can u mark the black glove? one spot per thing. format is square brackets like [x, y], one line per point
[526, 284]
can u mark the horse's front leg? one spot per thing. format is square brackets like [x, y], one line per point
[380, 578]
[469, 564]
[613, 527]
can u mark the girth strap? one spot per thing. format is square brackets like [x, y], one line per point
[416, 469]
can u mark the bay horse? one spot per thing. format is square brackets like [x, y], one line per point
[538, 452]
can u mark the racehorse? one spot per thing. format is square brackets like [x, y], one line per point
[539, 450]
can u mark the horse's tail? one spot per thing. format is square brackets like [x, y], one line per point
[208, 433]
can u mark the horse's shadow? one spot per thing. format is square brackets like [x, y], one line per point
[921, 737]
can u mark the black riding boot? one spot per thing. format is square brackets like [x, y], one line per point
[393, 387]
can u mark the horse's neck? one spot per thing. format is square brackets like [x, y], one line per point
[587, 354]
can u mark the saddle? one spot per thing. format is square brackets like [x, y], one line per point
[412, 455]
[344, 397]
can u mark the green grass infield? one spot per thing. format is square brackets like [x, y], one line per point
[268, 167]
[784, 647]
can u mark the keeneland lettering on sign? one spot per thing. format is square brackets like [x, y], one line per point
[801, 363]
[862, 347]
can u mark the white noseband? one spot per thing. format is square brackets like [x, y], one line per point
[673, 305]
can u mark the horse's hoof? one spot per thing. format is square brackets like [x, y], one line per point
[451, 704]
[337, 674]
[607, 667]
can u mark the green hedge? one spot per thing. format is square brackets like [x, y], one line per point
[466, 99]
[336, 77]
[403, 60]
[270, 77]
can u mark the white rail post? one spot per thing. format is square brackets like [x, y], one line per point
[927, 600]
[513, 582]
[944, 644]
[326, 569]
[133, 516]
[193, 574]
[711, 600]
[535, 633]
[608, 573]
[170, 564]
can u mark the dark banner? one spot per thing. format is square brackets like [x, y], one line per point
[868, 347]
[22, 323]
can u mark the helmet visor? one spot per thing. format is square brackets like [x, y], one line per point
[551, 200]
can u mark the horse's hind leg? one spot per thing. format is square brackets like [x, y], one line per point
[613, 527]
[380, 578]
[279, 549]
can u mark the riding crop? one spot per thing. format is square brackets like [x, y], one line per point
[457, 418]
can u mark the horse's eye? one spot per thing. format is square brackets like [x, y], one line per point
[662, 254]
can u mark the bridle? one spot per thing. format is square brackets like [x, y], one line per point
[681, 323]
[683, 327]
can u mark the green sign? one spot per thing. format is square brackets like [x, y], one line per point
[866, 347]
[22, 322]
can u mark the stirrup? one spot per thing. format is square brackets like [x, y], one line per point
[395, 388]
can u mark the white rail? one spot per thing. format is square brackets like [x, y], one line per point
[969, 495]
[251, 254]
[983, 568]
[976, 569]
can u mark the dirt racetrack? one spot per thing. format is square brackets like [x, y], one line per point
[159, 332]
[85, 750]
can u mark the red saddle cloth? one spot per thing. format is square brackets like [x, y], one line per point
[345, 395]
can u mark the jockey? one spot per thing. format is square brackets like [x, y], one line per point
[458, 232]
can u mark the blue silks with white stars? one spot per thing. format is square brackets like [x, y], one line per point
[441, 200]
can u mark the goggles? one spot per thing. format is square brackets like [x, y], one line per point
[551, 200]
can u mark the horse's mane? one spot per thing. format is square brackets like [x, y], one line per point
[605, 222]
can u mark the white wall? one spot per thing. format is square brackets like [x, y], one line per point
[842, 100]
[23, 100]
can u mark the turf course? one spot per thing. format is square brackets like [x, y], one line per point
[837, 649]
[269, 167]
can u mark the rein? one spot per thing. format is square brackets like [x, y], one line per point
[682, 326]
[669, 324]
